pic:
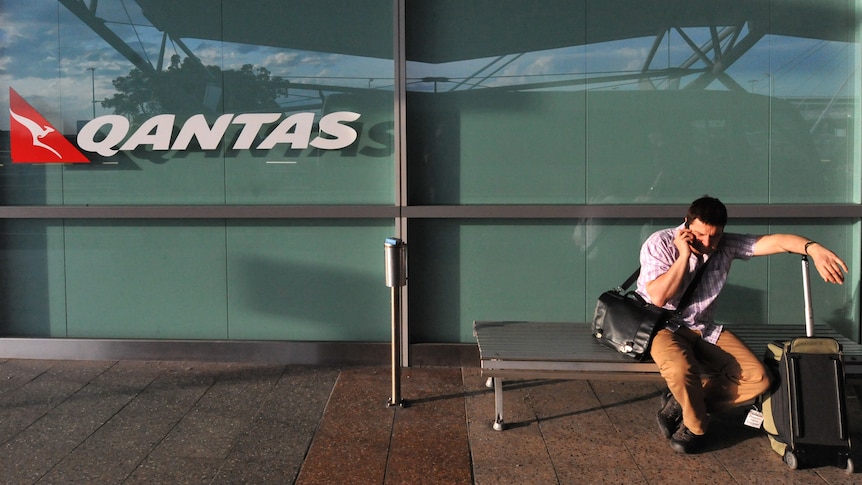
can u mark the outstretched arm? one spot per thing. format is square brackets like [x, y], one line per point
[828, 264]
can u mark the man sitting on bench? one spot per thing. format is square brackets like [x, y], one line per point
[669, 260]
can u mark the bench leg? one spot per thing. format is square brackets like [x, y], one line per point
[498, 404]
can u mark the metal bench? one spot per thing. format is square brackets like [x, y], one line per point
[567, 350]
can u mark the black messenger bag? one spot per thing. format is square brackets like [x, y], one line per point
[625, 322]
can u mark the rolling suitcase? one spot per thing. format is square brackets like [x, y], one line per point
[805, 411]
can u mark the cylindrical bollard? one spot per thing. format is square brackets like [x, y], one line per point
[396, 262]
[395, 253]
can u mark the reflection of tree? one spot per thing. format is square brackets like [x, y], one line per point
[183, 87]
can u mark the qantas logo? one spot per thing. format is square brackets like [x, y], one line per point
[34, 140]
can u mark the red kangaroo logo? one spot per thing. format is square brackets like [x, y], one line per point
[34, 140]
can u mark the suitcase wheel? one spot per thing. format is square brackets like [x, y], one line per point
[790, 460]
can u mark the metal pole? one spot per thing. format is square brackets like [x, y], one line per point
[806, 292]
[395, 400]
[395, 255]
[93, 81]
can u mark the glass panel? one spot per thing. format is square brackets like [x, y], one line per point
[32, 278]
[486, 123]
[181, 279]
[461, 271]
[614, 103]
[202, 102]
[146, 279]
[676, 144]
[317, 280]
[492, 270]
[492, 146]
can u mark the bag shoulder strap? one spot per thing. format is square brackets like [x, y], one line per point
[689, 291]
[631, 279]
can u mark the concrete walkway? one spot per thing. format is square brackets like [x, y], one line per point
[134, 422]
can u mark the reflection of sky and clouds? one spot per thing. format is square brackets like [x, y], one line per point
[791, 66]
[30, 44]
[39, 60]
[29, 40]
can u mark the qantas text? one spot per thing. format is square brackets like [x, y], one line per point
[157, 132]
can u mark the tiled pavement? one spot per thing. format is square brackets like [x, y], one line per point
[190, 422]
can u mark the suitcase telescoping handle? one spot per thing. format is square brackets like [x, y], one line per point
[806, 289]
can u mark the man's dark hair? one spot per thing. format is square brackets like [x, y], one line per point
[709, 210]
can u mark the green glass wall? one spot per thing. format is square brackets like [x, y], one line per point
[538, 148]
[266, 84]
[313, 280]
[623, 104]
[617, 104]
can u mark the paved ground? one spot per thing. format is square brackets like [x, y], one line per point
[189, 422]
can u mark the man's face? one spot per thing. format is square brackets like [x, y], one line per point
[706, 237]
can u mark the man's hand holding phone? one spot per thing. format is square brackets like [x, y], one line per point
[683, 242]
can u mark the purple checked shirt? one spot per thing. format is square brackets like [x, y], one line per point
[657, 255]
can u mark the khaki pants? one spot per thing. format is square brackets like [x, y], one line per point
[707, 378]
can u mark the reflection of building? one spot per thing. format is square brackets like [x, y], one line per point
[824, 108]
[4, 145]
[532, 150]
[827, 119]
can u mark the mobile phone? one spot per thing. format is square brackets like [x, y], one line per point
[687, 224]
